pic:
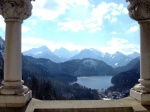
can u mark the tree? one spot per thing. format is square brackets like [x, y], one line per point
[34, 87]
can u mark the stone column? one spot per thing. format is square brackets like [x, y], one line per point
[12, 92]
[139, 10]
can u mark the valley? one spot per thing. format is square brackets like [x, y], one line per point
[50, 80]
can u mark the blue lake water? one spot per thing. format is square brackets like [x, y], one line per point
[95, 82]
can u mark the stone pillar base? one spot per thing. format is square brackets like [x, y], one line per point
[15, 100]
[144, 99]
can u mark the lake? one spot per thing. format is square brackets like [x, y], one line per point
[95, 82]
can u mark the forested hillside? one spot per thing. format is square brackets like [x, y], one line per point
[52, 81]
[48, 86]
[125, 80]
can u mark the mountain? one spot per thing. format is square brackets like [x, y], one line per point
[43, 52]
[134, 55]
[47, 86]
[61, 75]
[83, 67]
[126, 79]
[50, 80]
[133, 64]
[117, 59]
[61, 55]
[88, 53]
[87, 67]
[62, 52]
[2, 43]
[47, 83]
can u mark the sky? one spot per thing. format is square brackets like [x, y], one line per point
[78, 24]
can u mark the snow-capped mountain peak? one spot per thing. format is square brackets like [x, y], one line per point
[42, 52]
[62, 52]
[88, 53]
[134, 55]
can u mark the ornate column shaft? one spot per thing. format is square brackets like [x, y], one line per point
[13, 92]
[139, 10]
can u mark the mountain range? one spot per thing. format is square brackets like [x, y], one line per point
[78, 67]
[38, 72]
[44, 52]
[62, 52]
[74, 67]
[62, 55]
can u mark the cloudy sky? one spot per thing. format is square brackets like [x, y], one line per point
[78, 24]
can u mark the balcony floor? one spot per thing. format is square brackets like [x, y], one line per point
[123, 105]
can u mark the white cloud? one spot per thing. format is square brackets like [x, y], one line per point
[2, 23]
[113, 19]
[104, 11]
[32, 42]
[122, 45]
[116, 44]
[72, 25]
[114, 33]
[107, 16]
[115, 12]
[117, 41]
[92, 20]
[125, 11]
[49, 9]
[25, 29]
[52, 9]
[133, 29]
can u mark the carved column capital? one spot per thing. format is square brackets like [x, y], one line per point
[15, 9]
[139, 9]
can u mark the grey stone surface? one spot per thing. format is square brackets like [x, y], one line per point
[123, 105]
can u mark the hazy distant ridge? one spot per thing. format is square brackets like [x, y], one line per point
[61, 55]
